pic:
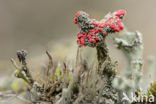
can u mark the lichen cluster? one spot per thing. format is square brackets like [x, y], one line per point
[91, 83]
[92, 31]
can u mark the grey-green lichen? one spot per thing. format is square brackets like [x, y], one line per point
[131, 44]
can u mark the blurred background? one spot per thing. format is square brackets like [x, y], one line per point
[34, 25]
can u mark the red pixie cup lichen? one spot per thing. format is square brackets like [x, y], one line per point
[93, 31]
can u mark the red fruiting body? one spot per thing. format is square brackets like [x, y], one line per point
[120, 12]
[105, 33]
[117, 29]
[96, 38]
[75, 20]
[112, 26]
[91, 31]
[100, 25]
[96, 30]
[78, 40]
[100, 29]
[121, 27]
[79, 35]
[92, 40]
[95, 23]
[82, 41]
[77, 14]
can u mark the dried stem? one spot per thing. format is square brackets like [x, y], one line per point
[50, 61]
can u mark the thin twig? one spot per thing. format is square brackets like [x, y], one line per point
[14, 63]
[50, 61]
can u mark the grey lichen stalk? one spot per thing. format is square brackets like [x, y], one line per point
[150, 72]
[131, 44]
